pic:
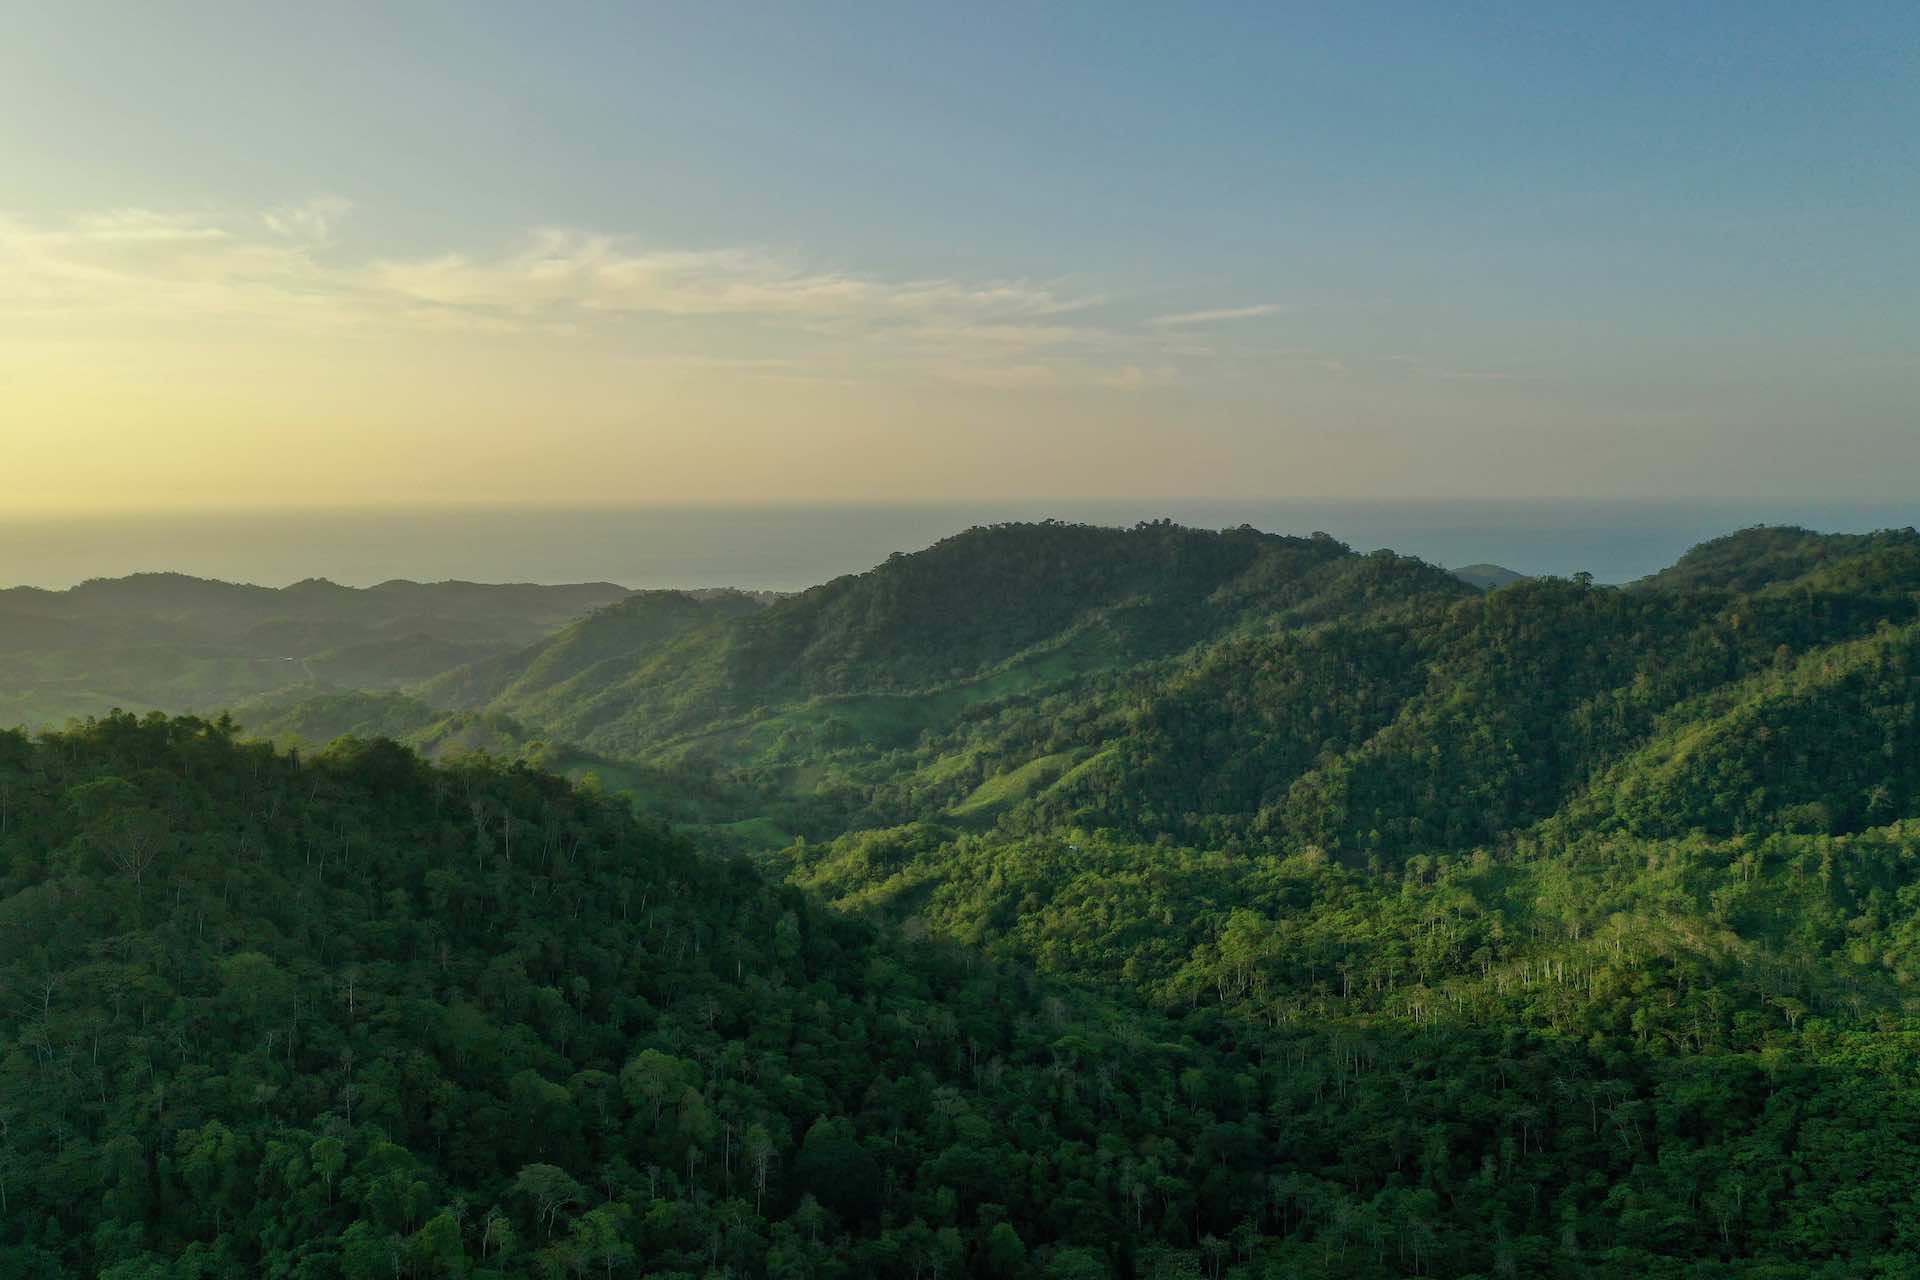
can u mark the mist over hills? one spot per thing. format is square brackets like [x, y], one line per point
[801, 544]
[210, 607]
[168, 640]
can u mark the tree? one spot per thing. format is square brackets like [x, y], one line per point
[839, 1172]
[1006, 1254]
[652, 1078]
[436, 1248]
[601, 1235]
[329, 1157]
[758, 1149]
[1077, 1264]
[549, 1190]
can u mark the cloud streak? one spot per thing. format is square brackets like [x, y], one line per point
[273, 266]
[1219, 315]
[564, 270]
[276, 270]
[313, 220]
[280, 270]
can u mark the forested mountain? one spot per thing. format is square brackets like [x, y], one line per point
[1460, 726]
[174, 606]
[1770, 554]
[876, 660]
[956, 610]
[598, 650]
[167, 640]
[1141, 903]
[355, 1016]
[1246, 691]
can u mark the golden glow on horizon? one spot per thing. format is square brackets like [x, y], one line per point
[153, 360]
[166, 360]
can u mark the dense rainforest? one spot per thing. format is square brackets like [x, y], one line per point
[1055, 902]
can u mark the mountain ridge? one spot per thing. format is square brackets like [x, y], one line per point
[1379, 663]
[1248, 906]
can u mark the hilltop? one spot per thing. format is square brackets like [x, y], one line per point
[1770, 555]
[1253, 691]
[987, 614]
[1228, 687]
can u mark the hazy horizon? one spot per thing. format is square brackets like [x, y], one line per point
[790, 547]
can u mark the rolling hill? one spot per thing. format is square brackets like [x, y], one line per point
[1234, 688]
[168, 640]
[1137, 902]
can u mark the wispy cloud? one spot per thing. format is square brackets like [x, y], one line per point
[562, 270]
[279, 269]
[134, 257]
[313, 219]
[136, 227]
[138, 263]
[1219, 315]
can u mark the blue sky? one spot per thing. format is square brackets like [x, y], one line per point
[1357, 249]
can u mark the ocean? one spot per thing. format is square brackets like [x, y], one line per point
[789, 547]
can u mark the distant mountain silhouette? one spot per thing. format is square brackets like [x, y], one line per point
[1488, 577]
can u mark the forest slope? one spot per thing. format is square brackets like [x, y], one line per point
[1452, 723]
[1241, 691]
[353, 1016]
[867, 665]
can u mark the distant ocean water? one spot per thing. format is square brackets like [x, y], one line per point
[786, 548]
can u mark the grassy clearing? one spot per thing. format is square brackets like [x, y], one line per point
[1006, 789]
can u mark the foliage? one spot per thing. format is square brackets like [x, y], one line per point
[1162, 903]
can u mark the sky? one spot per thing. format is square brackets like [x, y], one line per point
[277, 255]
